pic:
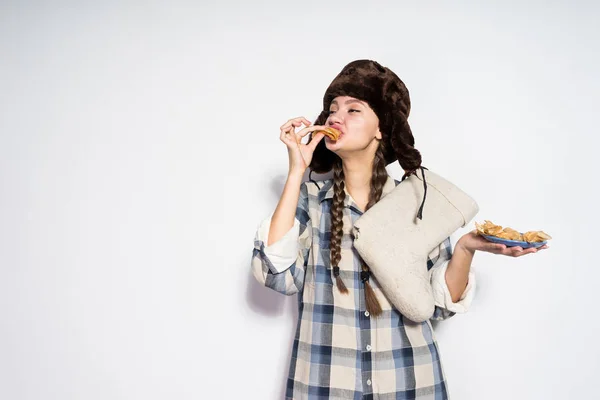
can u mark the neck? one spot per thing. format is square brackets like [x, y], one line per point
[357, 173]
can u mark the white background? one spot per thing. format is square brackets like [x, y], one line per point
[139, 151]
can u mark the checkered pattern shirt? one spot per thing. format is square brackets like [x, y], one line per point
[339, 350]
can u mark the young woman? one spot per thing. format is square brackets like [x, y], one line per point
[350, 342]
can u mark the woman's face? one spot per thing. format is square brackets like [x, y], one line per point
[357, 122]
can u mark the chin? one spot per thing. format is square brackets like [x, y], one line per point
[333, 146]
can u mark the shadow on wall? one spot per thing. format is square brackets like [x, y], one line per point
[265, 301]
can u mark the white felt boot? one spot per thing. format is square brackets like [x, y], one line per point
[395, 243]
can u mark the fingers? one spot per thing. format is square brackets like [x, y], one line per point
[309, 129]
[289, 138]
[287, 131]
[519, 251]
[285, 137]
[528, 251]
[294, 122]
[515, 251]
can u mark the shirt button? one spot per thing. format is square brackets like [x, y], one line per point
[367, 313]
[369, 382]
[368, 347]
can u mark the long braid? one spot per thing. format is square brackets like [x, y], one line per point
[378, 180]
[337, 224]
[379, 177]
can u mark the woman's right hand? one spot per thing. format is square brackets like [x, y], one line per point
[300, 154]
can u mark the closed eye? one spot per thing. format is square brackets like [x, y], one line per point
[350, 111]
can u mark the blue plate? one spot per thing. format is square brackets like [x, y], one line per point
[514, 243]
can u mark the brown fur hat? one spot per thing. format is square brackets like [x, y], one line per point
[387, 95]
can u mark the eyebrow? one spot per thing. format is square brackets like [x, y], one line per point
[349, 101]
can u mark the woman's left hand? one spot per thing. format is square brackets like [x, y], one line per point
[472, 242]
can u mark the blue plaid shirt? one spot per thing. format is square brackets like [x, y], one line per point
[340, 351]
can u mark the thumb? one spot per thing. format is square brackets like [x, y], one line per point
[312, 145]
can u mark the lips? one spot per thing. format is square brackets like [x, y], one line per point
[339, 128]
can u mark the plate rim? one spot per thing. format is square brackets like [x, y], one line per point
[518, 242]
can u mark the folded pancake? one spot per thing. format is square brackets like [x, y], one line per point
[331, 133]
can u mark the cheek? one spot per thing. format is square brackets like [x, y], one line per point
[363, 131]
[359, 126]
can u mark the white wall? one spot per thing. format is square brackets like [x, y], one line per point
[139, 150]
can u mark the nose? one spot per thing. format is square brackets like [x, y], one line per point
[334, 119]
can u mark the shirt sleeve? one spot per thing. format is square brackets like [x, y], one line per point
[282, 253]
[281, 265]
[445, 308]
